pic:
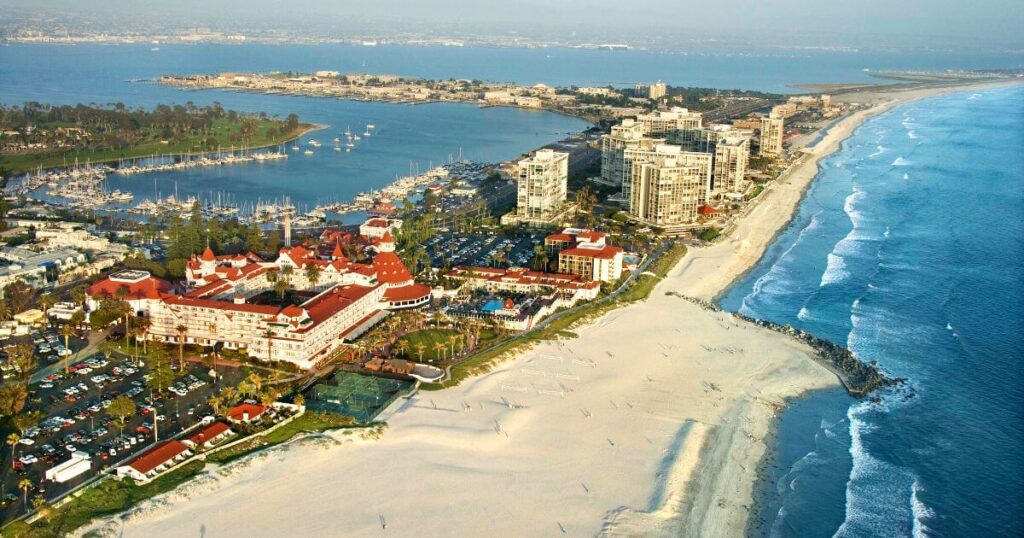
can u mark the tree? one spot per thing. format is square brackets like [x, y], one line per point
[41, 507]
[121, 408]
[452, 340]
[24, 485]
[78, 294]
[27, 420]
[12, 398]
[67, 331]
[12, 441]
[403, 346]
[281, 287]
[420, 348]
[182, 331]
[215, 402]
[439, 348]
[19, 296]
[300, 400]
[313, 274]
[23, 359]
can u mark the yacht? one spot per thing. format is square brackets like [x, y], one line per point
[308, 152]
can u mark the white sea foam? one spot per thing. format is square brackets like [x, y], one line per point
[949, 327]
[922, 513]
[835, 271]
[912, 134]
[878, 151]
[906, 175]
[804, 314]
[900, 161]
[875, 491]
[778, 269]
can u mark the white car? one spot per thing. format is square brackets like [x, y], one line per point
[28, 459]
[27, 441]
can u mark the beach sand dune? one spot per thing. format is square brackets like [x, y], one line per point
[602, 433]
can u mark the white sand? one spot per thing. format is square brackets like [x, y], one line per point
[650, 423]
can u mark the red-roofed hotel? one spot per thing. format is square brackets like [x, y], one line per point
[222, 306]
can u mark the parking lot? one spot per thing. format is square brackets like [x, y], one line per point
[48, 345]
[481, 247]
[76, 419]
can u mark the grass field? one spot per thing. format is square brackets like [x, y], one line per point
[223, 130]
[428, 338]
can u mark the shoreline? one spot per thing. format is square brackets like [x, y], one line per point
[709, 431]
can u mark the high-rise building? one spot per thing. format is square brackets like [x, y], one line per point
[628, 134]
[651, 91]
[667, 191]
[771, 136]
[633, 157]
[730, 149]
[542, 185]
[675, 124]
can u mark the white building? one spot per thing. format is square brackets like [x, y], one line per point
[667, 191]
[771, 136]
[541, 189]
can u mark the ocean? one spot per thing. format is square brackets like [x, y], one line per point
[909, 248]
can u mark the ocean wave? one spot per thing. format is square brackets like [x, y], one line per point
[778, 270]
[835, 271]
[906, 175]
[876, 489]
[921, 512]
[900, 161]
[949, 327]
[912, 134]
[878, 151]
[804, 314]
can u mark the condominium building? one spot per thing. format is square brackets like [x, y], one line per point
[668, 190]
[730, 150]
[676, 124]
[629, 134]
[651, 91]
[542, 185]
[634, 157]
[771, 136]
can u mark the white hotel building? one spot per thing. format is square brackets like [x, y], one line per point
[226, 303]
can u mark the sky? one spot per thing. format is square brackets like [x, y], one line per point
[934, 23]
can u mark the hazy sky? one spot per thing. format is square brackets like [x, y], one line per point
[934, 22]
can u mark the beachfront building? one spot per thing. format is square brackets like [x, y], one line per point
[632, 158]
[542, 187]
[676, 124]
[771, 136]
[585, 253]
[627, 135]
[231, 301]
[155, 461]
[515, 298]
[667, 191]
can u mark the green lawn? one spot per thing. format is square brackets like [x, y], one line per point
[223, 130]
[427, 337]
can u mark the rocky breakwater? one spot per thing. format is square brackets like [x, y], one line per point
[860, 378]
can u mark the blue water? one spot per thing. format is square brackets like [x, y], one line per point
[909, 248]
[407, 137]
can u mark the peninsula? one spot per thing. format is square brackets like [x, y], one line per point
[39, 136]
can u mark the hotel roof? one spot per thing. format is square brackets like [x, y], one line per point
[208, 433]
[161, 454]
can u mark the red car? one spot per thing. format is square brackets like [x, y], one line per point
[142, 429]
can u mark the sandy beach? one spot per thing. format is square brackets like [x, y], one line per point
[652, 422]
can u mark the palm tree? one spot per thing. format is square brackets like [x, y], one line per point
[313, 274]
[24, 485]
[66, 331]
[12, 441]
[420, 348]
[299, 400]
[281, 287]
[439, 347]
[452, 340]
[182, 331]
[46, 302]
[403, 346]
[269, 335]
[215, 402]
